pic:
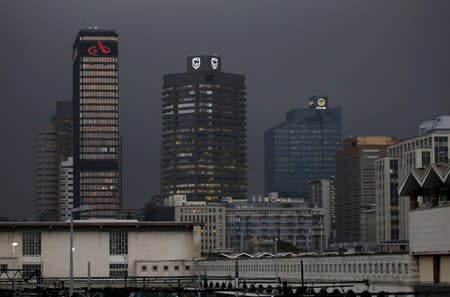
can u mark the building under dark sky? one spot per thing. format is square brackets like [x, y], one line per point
[303, 148]
[203, 151]
[355, 187]
[54, 145]
[97, 174]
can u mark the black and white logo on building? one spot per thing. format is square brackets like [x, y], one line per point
[214, 63]
[196, 63]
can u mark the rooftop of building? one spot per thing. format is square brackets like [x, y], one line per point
[105, 225]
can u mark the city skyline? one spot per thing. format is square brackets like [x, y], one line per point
[373, 73]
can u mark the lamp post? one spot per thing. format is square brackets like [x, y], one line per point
[72, 211]
[14, 244]
[276, 262]
[321, 237]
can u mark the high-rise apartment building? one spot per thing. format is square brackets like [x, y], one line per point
[355, 187]
[302, 148]
[203, 151]
[54, 144]
[416, 153]
[96, 140]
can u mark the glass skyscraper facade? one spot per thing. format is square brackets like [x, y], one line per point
[203, 151]
[96, 139]
[302, 148]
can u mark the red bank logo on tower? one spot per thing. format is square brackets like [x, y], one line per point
[99, 48]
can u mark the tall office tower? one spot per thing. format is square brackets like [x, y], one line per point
[96, 140]
[416, 153]
[302, 148]
[203, 151]
[65, 189]
[54, 143]
[355, 187]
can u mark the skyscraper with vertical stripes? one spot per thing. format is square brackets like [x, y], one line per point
[96, 139]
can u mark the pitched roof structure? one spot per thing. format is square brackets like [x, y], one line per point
[435, 176]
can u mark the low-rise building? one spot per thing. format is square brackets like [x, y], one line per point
[429, 220]
[416, 153]
[283, 219]
[211, 216]
[109, 248]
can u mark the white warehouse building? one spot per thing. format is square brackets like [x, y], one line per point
[109, 248]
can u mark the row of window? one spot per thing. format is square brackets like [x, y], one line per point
[97, 136]
[102, 80]
[98, 149]
[99, 66]
[97, 174]
[319, 268]
[99, 115]
[100, 101]
[99, 142]
[164, 268]
[99, 122]
[99, 156]
[96, 87]
[110, 73]
[98, 37]
[98, 94]
[99, 107]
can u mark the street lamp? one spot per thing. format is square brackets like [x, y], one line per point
[276, 262]
[72, 211]
[321, 237]
[14, 244]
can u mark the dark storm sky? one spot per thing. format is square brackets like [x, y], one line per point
[387, 63]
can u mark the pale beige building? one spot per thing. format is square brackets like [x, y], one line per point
[211, 216]
[402, 157]
[109, 248]
[429, 221]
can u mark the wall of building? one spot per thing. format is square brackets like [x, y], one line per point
[212, 218]
[445, 269]
[288, 220]
[429, 230]
[92, 245]
[355, 185]
[426, 269]
[164, 268]
[384, 272]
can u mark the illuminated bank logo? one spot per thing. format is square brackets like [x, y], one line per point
[214, 63]
[321, 103]
[99, 48]
[196, 63]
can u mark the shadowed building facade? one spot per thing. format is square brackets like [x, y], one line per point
[302, 148]
[97, 175]
[54, 145]
[355, 187]
[203, 150]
